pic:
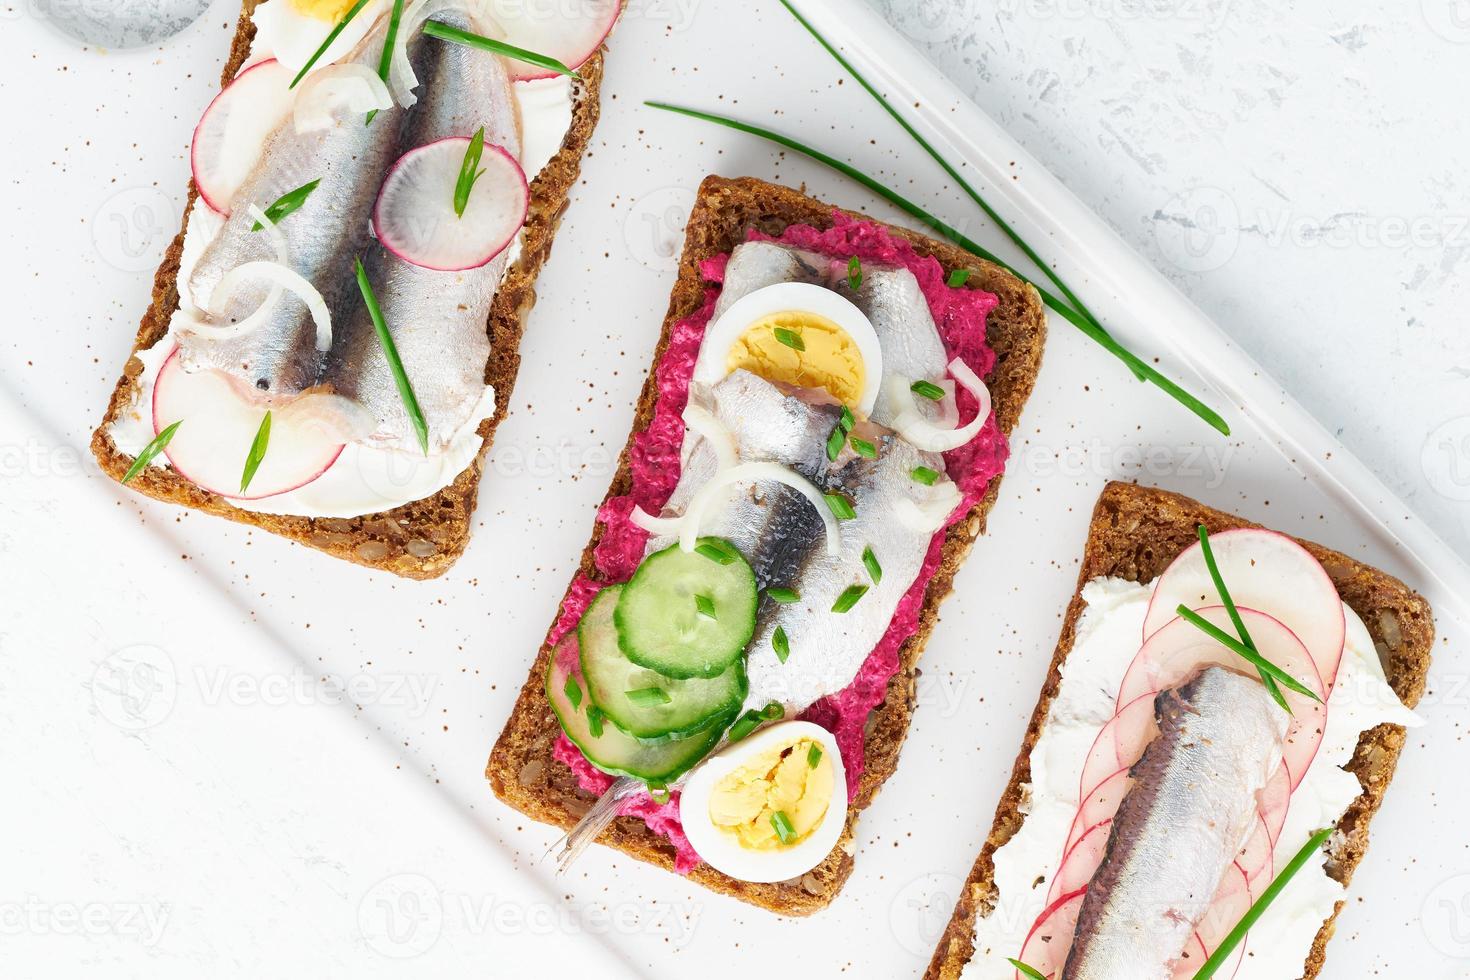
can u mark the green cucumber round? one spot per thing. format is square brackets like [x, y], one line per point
[687, 614]
[691, 704]
[610, 749]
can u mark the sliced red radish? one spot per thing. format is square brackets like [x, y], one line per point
[232, 132]
[415, 219]
[1120, 743]
[1050, 939]
[1232, 901]
[1275, 799]
[1081, 861]
[570, 38]
[1099, 806]
[220, 422]
[1264, 570]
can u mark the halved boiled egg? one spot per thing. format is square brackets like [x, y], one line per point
[769, 807]
[292, 30]
[799, 334]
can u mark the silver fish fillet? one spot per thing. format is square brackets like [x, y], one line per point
[781, 533]
[279, 359]
[1189, 809]
[437, 319]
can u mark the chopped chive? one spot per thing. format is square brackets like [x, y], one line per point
[469, 172]
[855, 273]
[1090, 328]
[154, 447]
[287, 203]
[717, 551]
[1259, 906]
[258, 447]
[834, 442]
[849, 598]
[1245, 637]
[645, 697]
[846, 420]
[743, 726]
[659, 792]
[870, 562]
[331, 36]
[790, 338]
[390, 352]
[958, 278]
[446, 32]
[705, 605]
[841, 509]
[927, 389]
[1251, 656]
[813, 755]
[783, 595]
[924, 475]
[782, 824]
[573, 691]
[385, 61]
[772, 711]
[780, 644]
[864, 448]
[594, 721]
[1029, 971]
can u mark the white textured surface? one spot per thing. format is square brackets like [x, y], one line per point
[1297, 168]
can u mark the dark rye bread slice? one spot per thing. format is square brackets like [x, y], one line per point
[521, 768]
[1135, 533]
[419, 539]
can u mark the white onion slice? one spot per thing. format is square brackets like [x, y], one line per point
[702, 422]
[928, 516]
[279, 276]
[655, 525]
[354, 87]
[755, 473]
[227, 331]
[401, 78]
[926, 434]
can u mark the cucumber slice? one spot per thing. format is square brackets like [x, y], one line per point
[692, 704]
[611, 750]
[687, 614]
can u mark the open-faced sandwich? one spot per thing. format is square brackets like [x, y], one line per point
[730, 676]
[1223, 714]
[334, 332]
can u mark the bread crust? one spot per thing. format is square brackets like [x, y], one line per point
[421, 539]
[521, 768]
[1135, 533]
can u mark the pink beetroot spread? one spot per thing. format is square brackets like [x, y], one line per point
[960, 315]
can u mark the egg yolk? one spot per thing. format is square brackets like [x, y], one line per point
[744, 803]
[330, 11]
[828, 357]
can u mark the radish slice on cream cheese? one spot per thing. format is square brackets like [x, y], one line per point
[232, 132]
[415, 219]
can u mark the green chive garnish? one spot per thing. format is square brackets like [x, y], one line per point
[331, 36]
[958, 278]
[1029, 971]
[854, 273]
[870, 562]
[385, 61]
[744, 726]
[705, 605]
[790, 338]
[841, 509]
[813, 755]
[258, 447]
[390, 351]
[927, 389]
[154, 447]
[780, 644]
[834, 442]
[286, 203]
[1251, 656]
[573, 691]
[782, 823]
[1227, 946]
[469, 172]
[716, 551]
[1091, 329]
[1245, 637]
[783, 595]
[864, 448]
[924, 475]
[594, 721]
[846, 419]
[772, 711]
[645, 697]
[446, 32]
[659, 792]
[849, 598]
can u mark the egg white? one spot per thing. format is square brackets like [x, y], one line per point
[802, 297]
[721, 850]
[293, 37]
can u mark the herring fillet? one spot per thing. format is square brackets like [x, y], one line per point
[1190, 807]
[278, 359]
[437, 319]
